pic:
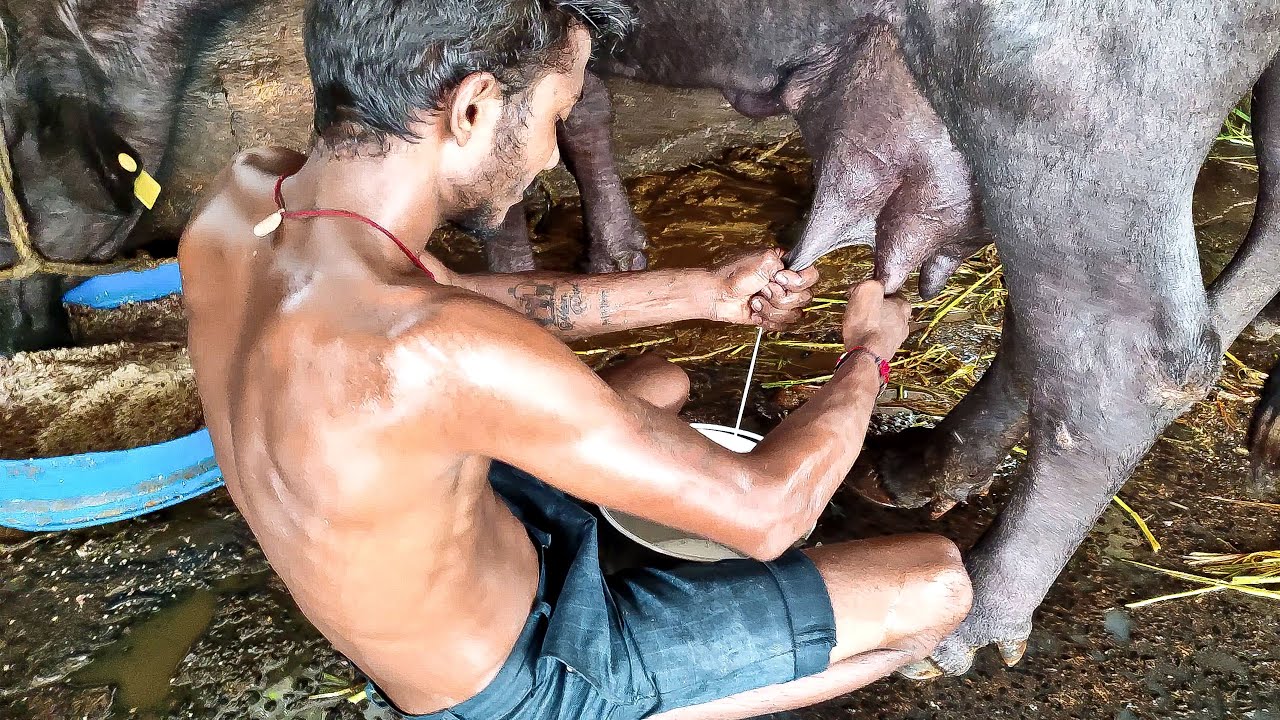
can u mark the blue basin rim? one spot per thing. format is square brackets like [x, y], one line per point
[76, 491]
[105, 292]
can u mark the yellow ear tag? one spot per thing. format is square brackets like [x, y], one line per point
[128, 163]
[268, 224]
[146, 189]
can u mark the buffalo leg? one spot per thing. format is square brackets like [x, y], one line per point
[617, 240]
[1108, 366]
[945, 465]
[509, 250]
[1251, 276]
[1112, 329]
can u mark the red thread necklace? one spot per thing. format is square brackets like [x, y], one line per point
[272, 221]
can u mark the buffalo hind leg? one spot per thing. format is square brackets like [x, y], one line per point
[949, 463]
[1107, 364]
[1251, 278]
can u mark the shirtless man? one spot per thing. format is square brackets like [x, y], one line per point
[380, 420]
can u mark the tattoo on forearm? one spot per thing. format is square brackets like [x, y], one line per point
[571, 303]
[541, 303]
[605, 311]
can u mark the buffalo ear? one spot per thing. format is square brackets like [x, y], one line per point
[116, 163]
[89, 131]
[120, 167]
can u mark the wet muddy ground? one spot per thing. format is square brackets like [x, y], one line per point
[177, 614]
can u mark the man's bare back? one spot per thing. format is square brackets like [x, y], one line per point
[334, 448]
[335, 400]
[404, 445]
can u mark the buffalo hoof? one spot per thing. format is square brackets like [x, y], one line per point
[900, 471]
[920, 670]
[623, 251]
[1002, 623]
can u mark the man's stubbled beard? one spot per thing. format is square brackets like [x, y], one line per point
[501, 177]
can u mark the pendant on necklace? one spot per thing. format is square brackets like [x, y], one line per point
[269, 224]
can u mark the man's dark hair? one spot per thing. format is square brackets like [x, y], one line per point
[376, 65]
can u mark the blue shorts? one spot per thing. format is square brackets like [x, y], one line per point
[641, 642]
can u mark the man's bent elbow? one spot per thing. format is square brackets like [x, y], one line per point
[775, 536]
[772, 519]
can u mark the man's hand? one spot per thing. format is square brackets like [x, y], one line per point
[757, 289]
[874, 321]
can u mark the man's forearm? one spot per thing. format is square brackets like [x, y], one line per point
[809, 454]
[579, 306]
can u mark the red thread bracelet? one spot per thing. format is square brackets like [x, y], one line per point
[881, 364]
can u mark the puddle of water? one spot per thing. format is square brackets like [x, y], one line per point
[1119, 624]
[142, 663]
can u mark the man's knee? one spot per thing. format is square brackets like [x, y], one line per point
[939, 587]
[674, 384]
[899, 592]
[660, 382]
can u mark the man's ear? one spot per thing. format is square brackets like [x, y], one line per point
[476, 104]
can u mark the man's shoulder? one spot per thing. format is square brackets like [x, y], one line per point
[249, 174]
[454, 316]
[229, 205]
[476, 333]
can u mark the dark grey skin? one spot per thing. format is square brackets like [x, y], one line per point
[1264, 432]
[887, 175]
[1264, 438]
[83, 81]
[1085, 124]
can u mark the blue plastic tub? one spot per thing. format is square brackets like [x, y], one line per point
[76, 491]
